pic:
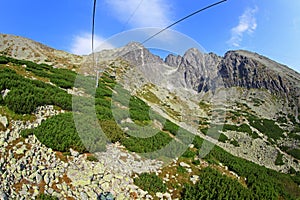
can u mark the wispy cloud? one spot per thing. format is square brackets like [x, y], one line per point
[247, 24]
[82, 44]
[154, 13]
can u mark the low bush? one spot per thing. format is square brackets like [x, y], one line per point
[151, 183]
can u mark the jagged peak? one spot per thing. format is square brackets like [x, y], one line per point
[193, 51]
[134, 45]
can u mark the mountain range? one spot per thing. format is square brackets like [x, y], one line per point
[252, 101]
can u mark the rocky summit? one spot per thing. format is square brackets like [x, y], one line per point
[152, 128]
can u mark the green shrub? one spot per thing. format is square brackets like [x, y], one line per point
[92, 158]
[262, 182]
[151, 183]
[279, 160]
[189, 154]
[171, 127]
[234, 143]
[181, 170]
[222, 138]
[59, 133]
[26, 94]
[26, 132]
[112, 130]
[139, 110]
[266, 127]
[295, 153]
[196, 162]
[3, 60]
[198, 141]
[213, 185]
[144, 145]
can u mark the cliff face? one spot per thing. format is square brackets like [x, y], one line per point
[204, 72]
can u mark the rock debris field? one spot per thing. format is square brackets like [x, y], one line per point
[28, 168]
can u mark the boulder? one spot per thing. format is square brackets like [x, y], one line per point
[74, 153]
[183, 164]
[3, 120]
[4, 93]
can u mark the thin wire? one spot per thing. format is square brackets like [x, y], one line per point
[184, 18]
[132, 14]
[93, 30]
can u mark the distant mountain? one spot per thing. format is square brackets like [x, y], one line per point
[203, 72]
[23, 48]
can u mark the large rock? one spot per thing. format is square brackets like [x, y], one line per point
[4, 93]
[74, 153]
[3, 120]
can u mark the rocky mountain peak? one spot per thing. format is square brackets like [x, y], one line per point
[23, 48]
[173, 60]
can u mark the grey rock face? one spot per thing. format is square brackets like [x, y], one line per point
[173, 60]
[203, 72]
[250, 70]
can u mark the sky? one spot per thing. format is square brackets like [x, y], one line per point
[270, 28]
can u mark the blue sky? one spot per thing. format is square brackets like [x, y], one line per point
[270, 28]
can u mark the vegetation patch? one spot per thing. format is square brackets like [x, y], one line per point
[26, 94]
[234, 143]
[294, 152]
[59, 133]
[144, 145]
[262, 182]
[213, 185]
[151, 183]
[139, 110]
[266, 127]
[279, 160]
[170, 127]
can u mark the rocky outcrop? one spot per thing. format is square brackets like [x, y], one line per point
[203, 72]
[23, 48]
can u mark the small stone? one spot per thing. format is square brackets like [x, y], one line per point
[50, 190]
[167, 196]
[38, 178]
[3, 121]
[46, 179]
[183, 164]
[74, 153]
[159, 194]
[194, 179]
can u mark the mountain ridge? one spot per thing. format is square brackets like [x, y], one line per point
[194, 70]
[238, 102]
[27, 49]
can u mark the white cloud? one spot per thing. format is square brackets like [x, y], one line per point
[247, 24]
[154, 13]
[82, 44]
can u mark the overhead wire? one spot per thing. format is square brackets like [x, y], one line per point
[182, 19]
[132, 14]
[93, 30]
